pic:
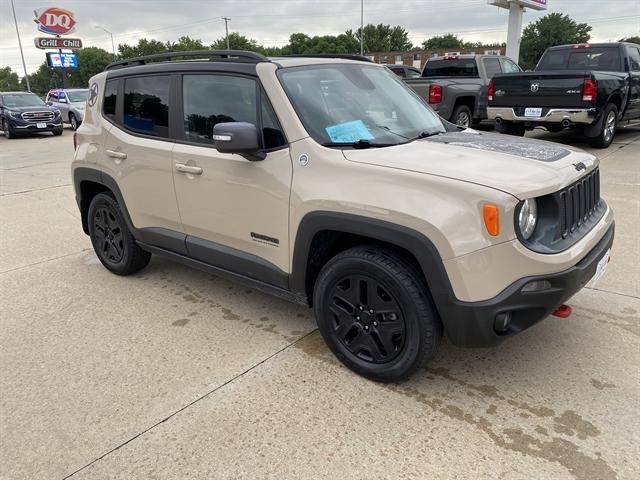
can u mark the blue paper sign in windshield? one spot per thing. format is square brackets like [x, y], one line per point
[349, 132]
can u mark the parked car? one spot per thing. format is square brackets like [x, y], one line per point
[70, 102]
[25, 113]
[404, 71]
[456, 85]
[327, 182]
[592, 87]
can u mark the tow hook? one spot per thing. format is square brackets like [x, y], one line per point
[563, 311]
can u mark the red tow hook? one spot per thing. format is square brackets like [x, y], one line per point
[563, 311]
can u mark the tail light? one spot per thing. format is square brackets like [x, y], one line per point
[75, 141]
[491, 91]
[590, 91]
[435, 93]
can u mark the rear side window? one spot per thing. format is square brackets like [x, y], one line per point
[110, 99]
[582, 58]
[458, 67]
[146, 105]
[508, 66]
[634, 58]
[491, 66]
[212, 99]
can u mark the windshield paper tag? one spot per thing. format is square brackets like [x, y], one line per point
[349, 132]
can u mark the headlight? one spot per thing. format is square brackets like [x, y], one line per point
[13, 114]
[57, 112]
[528, 217]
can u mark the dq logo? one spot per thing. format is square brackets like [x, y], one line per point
[55, 21]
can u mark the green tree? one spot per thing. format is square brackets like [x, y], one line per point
[634, 39]
[185, 44]
[9, 80]
[237, 42]
[144, 47]
[443, 41]
[382, 38]
[552, 29]
[91, 60]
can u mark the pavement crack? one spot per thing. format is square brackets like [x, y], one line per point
[43, 261]
[170, 416]
[35, 190]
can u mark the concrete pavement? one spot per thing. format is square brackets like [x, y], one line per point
[173, 373]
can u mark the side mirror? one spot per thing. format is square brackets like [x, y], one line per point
[238, 137]
[62, 100]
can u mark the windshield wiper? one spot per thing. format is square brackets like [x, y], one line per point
[360, 144]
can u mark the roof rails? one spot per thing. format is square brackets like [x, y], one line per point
[345, 56]
[211, 55]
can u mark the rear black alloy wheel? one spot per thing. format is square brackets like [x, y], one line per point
[374, 312]
[112, 241]
[366, 318]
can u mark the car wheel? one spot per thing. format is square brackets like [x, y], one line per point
[8, 131]
[57, 132]
[608, 129]
[73, 121]
[374, 312]
[111, 239]
[462, 116]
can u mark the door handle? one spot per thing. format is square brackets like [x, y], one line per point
[192, 169]
[114, 154]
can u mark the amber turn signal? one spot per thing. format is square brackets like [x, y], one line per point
[491, 219]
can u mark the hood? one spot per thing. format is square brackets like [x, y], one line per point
[522, 167]
[30, 109]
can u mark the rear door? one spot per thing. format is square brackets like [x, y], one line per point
[235, 211]
[633, 53]
[138, 157]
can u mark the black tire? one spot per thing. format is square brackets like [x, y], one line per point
[57, 132]
[73, 121]
[387, 345]
[510, 128]
[608, 129]
[8, 131]
[462, 116]
[111, 239]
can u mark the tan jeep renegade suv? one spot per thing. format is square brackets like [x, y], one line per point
[328, 182]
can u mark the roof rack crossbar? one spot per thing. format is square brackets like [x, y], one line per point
[211, 55]
[345, 56]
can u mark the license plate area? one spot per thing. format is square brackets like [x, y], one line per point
[601, 268]
[41, 125]
[533, 112]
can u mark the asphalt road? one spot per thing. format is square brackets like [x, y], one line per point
[173, 373]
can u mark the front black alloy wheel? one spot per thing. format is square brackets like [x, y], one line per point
[374, 312]
[111, 239]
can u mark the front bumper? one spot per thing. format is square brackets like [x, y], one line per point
[471, 324]
[22, 126]
[552, 115]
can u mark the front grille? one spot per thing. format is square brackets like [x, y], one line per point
[41, 116]
[578, 202]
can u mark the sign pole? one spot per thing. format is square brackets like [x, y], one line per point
[24, 65]
[515, 29]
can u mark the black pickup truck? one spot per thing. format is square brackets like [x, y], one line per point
[593, 87]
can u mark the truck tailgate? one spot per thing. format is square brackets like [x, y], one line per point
[558, 89]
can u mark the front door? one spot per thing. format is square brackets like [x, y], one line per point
[235, 212]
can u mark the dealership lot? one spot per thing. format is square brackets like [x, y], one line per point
[173, 373]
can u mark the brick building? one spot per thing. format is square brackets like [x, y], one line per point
[417, 58]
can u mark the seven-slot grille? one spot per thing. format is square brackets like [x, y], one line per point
[41, 116]
[578, 202]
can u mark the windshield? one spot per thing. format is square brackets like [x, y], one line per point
[77, 95]
[22, 100]
[592, 58]
[355, 104]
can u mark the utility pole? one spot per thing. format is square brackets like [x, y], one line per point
[226, 27]
[113, 47]
[24, 65]
[361, 27]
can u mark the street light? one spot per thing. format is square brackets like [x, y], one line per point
[113, 48]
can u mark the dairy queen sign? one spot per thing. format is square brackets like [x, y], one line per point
[55, 21]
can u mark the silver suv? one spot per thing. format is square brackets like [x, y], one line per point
[71, 103]
[328, 182]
